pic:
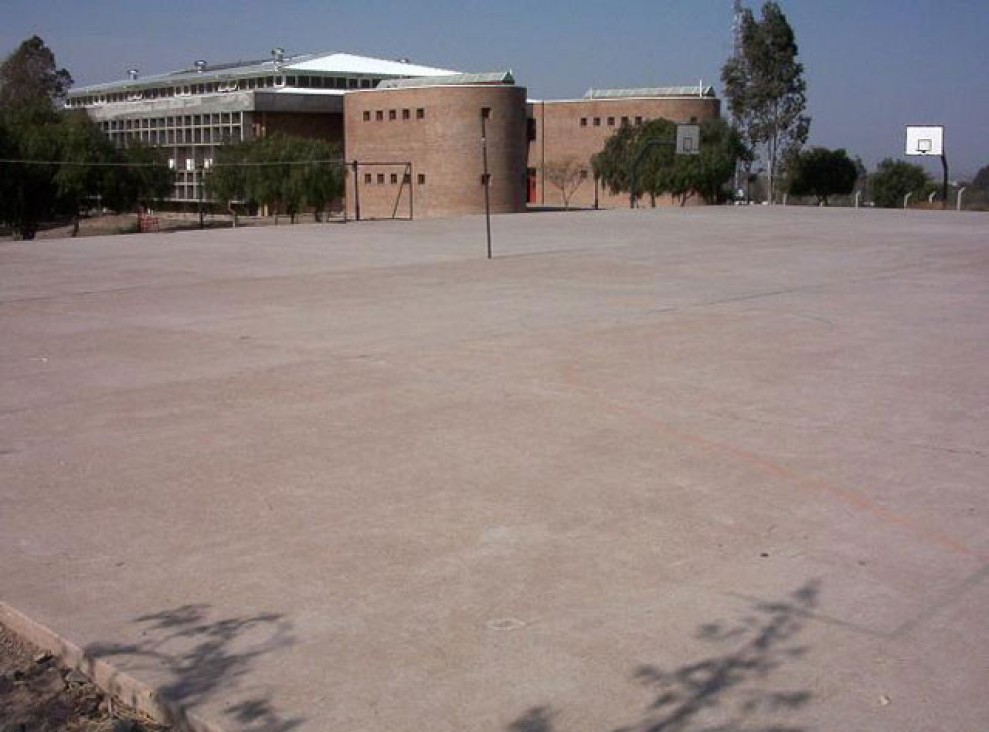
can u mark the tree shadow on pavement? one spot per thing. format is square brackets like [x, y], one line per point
[725, 692]
[204, 658]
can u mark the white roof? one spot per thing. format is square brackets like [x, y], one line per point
[349, 64]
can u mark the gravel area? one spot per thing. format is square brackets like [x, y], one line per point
[38, 694]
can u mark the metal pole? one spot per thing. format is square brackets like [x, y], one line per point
[944, 183]
[487, 179]
[357, 195]
[961, 192]
[202, 177]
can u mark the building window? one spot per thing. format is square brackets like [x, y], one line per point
[392, 114]
[351, 83]
[394, 178]
[638, 120]
[611, 121]
[421, 179]
[367, 116]
[485, 112]
[420, 113]
[379, 115]
[597, 121]
[290, 81]
[693, 120]
[365, 83]
[367, 179]
[406, 114]
[381, 179]
[624, 121]
[583, 121]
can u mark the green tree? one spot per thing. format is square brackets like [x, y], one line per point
[660, 170]
[282, 172]
[708, 172]
[145, 180]
[87, 167]
[822, 173]
[766, 90]
[29, 192]
[29, 76]
[894, 179]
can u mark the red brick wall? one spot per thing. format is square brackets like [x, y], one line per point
[444, 146]
[559, 135]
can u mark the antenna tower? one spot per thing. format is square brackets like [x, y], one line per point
[736, 28]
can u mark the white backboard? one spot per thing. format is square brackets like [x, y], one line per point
[925, 140]
[688, 139]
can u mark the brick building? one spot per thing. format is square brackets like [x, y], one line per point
[413, 131]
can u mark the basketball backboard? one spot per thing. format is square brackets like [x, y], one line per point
[688, 140]
[925, 140]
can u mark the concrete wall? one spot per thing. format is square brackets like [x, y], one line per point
[560, 133]
[437, 130]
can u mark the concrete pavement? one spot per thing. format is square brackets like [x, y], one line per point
[657, 470]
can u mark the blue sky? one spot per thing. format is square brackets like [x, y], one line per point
[872, 66]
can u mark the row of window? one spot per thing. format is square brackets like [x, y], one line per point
[231, 85]
[369, 179]
[181, 136]
[393, 114]
[188, 120]
[596, 121]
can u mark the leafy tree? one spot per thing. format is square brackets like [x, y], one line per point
[660, 170]
[285, 173]
[567, 175]
[707, 172]
[894, 179]
[29, 193]
[29, 76]
[613, 165]
[87, 168]
[145, 180]
[632, 146]
[981, 180]
[822, 173]
[766, 90]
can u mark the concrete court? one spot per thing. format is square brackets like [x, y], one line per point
[659, 470]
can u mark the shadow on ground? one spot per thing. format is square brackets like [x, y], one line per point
[204, 658]
[728, 691]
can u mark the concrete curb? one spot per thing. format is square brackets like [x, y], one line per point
[111, 680]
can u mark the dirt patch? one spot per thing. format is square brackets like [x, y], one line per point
[38, 694]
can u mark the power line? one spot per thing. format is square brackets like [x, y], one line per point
[106, 164]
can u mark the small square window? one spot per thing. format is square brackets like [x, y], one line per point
[392, 114]
[638, 120]
[420, 113]
[486, 112]
[367, 179]
[367, 116]
[421, 179]
[394, 178]
[693, 120]
[406, 114]
[611, 121]
[583, 121]
[381, 179]
[379, 115]
[597, 121]
[624, 121]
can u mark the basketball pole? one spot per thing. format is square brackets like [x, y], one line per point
[944, 182]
